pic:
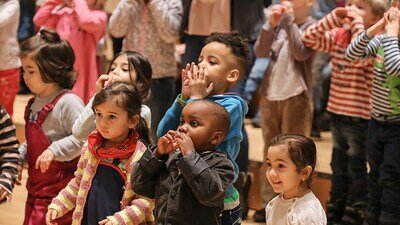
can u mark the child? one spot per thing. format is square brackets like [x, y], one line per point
[349, 102]
[101, 192]
[50, 149]
[130, 67]
[82, 24]
[383, 140]
[222, 63]
[291, 161]
[188, 184]
[286, 105]
[8, 154]
[9, 60]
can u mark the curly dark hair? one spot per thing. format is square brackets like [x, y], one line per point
[237, 44]
[137, 62]
[54, 57]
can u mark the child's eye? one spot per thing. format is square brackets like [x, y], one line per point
[212, 62]
[98, 114]
[194, 123]
[112, 117]
[281, 166]
[181, 122]
[269, 164]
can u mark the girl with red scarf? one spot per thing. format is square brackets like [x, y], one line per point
[101, 192]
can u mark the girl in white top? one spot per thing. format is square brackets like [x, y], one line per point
[291, 161]
[127, 66]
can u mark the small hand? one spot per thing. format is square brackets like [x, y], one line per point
[287, 8]
[111, 79]
[19, 172]
[185, 143]
[166, 143]
[185, 81]
[44, 160]
[341, 14]
[105, 222]
[377, 28]
[198, 87]
[101, 82]
[51, 215]
[392, 19]
[4, 194]
[274, 15]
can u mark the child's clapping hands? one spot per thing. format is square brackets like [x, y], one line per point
[172, 141]
[392, 21]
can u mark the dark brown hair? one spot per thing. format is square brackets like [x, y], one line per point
[142, 66]
[128, 98]
[302, 151]
[237, 44]
[54, 57]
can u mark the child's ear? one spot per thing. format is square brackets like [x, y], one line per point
[305, 173]
[133, 121]
[233, 76]
[217, 138]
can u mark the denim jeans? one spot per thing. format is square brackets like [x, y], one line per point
[163, 94]
[255, 77]
[232, 217]
[348, 158]
[383, 155]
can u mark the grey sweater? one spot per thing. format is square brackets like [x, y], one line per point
[58, 126]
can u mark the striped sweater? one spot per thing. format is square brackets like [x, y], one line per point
[135, 209]
[8, 152]
[351, 82]
[386, 82]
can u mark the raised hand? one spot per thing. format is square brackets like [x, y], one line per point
[166, 144]
[377, 28]
[44, 160]
[101, 82]
[392, 19]
[287, 7]
[185, 143]
[198, 88]
[185, 81]
[275, 15]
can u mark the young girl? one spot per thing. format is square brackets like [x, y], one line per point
[291, 162]
[130, 67]
[9, 60]
[101, 192]
[82, 24]
[50, 149]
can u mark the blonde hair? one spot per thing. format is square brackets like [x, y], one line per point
[378, 7]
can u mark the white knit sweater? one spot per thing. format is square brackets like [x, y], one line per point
[9, 21]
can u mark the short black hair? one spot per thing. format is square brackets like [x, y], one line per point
[220, 114]
[237, 44]
[54, 57]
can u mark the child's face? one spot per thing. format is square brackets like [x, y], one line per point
[362, 9]
[198, 122]
[113, 123]
[282, 173]
[218, 59]
[33, 78]
[120, 69]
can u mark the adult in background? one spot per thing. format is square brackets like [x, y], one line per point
[151, 27]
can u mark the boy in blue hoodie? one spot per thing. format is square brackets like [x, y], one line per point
[221, 65]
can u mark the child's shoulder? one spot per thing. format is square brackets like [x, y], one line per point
[70, 99]
[229, 99]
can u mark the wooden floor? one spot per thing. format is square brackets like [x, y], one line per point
[12, 213]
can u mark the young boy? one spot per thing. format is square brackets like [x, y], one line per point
[9, 155]
[222, 64]
[285, 103]
[349, 103]
[184, 173]
[383, 139]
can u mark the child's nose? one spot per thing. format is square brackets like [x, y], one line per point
[182, 129]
